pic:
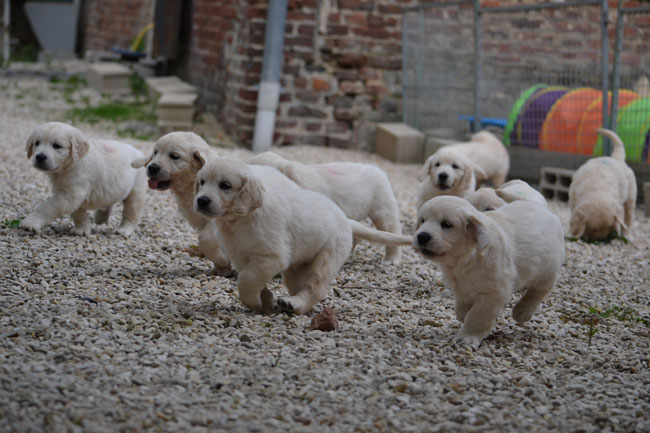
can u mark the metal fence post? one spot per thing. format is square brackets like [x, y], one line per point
[605, 70]
[418, 66]
[476, 124]
[616, 73]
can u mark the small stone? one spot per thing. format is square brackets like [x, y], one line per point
[324, 321]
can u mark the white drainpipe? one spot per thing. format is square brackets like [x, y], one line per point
[269, 88]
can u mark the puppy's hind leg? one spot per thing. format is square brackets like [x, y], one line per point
[102, 215]
[133, 205]
[388, 221]
[480, 319]
[529, 303]
[499, 179]
[251, 283]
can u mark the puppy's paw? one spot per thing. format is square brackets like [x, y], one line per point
[469, 340]
[223, 271]
[126, 230]
[285, 305]
[31, 223]
[523, 313]
[80, 231]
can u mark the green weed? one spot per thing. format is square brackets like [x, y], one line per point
[12, 224]
[113, 112]
[608, 240]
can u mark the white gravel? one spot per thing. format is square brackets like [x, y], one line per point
[105, 334]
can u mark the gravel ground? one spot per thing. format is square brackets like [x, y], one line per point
[103, 333]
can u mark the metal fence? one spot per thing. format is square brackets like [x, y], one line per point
[543, 75]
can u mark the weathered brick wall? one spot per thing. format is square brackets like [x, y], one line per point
[112, 23]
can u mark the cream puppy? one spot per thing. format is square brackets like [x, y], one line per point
[487, 199]
[456, 169]
[172, 165]
[486, 257]
[85, 175]
[602, 195]
[361, 190]
[267, 224]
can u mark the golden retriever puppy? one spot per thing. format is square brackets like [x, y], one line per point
[173, 165]
[486, 257]
[267, 224]
[487, 199]
[456, 169]
[361, 190]
[85, 175]
[602, 195]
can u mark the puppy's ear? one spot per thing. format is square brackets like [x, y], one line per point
[478, 231]
[198, 159]
[141, 162]
[426, 168]
[249, 197]
[507, 196]
[31, 141]
[79, 146]
[577, 225]
[479, 174]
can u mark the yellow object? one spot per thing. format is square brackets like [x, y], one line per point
[137, 42]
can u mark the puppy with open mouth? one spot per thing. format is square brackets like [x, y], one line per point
[85, 175]
[486, 257]
[172, 166]
[269, 225]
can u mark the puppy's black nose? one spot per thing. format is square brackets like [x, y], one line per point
[443, 176]
[153, 169]
[423, 238]
[203, 202]
[41, 157]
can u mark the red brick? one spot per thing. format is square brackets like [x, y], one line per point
[313, 127]
[320, 85]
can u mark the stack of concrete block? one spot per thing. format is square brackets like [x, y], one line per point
[554, 183]
[175, 101]
[399, 142]
[109, 77]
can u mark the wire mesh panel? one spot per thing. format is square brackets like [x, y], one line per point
[438, 65]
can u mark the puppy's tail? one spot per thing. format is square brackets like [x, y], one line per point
[619, 147]
[359, 231]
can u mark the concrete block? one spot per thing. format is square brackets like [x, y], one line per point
[176, 110]
[646, 198]
[170, 84]
[433, 143]
[111, 78]
[554, 183]
[399, 142]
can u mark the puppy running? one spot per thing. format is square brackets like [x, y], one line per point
[360, 190]
[487, 199]
[269, 225]
[456, 169]
[486, 257]
[85, 175]
[173, 164]
[602, 195]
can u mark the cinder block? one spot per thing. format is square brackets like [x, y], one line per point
[111, 78]
[399, 142]
[170, 84]
[554, 183]
[433, 143]
[646, 198]
[176, 110]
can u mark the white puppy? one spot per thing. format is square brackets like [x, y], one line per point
[456, 169]
[85, 175]
[487, 199]
[269, 225]
[360, 190]
[173, 164]
[602, 195]
[486, 257]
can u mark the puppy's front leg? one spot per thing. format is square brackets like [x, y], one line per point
[81, 223]
[209, 246]
[480, 319]
[251, 283]
[55, 207]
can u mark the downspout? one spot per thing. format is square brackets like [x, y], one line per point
[269, 89]
[6, 23]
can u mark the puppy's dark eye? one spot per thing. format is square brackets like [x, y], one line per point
[173, 156]
[445, 224]
[224, 185]
[489, 209]
[421, 220]
[437, 164]
[155, 152]
[454, 166]
[37, 143]
[201, 182]
[57, 146]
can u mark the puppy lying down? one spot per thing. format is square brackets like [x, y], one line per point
[85, 175]
[172, 166]
[602, 195]
[487, 199]
[486, 257]
[361, 190]
[267, 225]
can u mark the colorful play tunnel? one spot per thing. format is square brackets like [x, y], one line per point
[560, 119]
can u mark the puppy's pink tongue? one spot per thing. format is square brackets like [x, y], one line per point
[153, 183]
